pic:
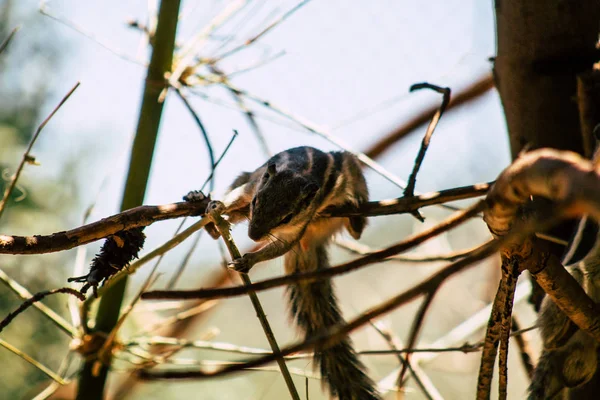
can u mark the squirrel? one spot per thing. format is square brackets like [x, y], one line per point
[568, 365]
[569, 358]
[283, 201]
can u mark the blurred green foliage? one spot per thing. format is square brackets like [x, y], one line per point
[40, 203]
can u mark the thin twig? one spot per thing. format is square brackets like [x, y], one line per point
[45, 11]
[247, 113]
[196, 117]
[147, 215]
[393, 343]
[25, 294]
[362, 249]
[8, 39]
[410, 204]
[458, 334]
[54, 386]
[27, 155]
[524, 350]
[105, 352]
[473, 92]
[186, 259]
[412, 180]
[133, 218]
[224, 229]
[211, 176]
[235, 349]
[272, 25]
[407, 244]
[34, 299]
[415, 330]
[336, 333]
[188, 255]
[35, 363]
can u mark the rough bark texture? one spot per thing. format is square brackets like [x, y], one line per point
[542, 47]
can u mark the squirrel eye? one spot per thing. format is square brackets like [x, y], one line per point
[254, 202]
[287, 219]
[265, 176]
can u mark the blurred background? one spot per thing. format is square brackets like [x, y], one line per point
[343, 66]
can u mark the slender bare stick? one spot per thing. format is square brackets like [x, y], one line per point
[336, 333]
[415, 330]
[524, 350]
[393, 342]
[25, 294]
[54, 386]
[8, 39]
[45, 11]
[266, 30]
[361, 249]
[27, 155]
[225, 230]
[248, 113]
[407, 244]
[457, 335]
[235, 349]
[475, 90]
[35, 363]
[147, 215]
[196, 117]
[34, 299]
[412, 179]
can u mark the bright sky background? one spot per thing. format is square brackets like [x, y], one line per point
[347, 67]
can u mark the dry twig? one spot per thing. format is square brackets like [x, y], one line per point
[147, 215]
[225, 230]
[27, 155]
[407, 244]
[412, 179]
[34, 299]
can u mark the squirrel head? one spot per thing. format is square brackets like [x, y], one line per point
[283, 199]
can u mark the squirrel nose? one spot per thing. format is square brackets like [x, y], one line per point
[255, 233]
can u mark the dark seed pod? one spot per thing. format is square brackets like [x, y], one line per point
[115, 254]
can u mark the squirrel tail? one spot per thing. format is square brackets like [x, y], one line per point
[314, 308]
[545, 383]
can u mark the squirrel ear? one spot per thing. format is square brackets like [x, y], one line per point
[271, 169]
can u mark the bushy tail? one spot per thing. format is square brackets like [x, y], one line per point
[314, 308]
[545, 383]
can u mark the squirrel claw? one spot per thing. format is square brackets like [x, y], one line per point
[241, 264]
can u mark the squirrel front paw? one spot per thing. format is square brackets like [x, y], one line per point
[242, 264]
[215, 206]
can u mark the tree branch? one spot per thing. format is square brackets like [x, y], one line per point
[407, 244]
[147, 215]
